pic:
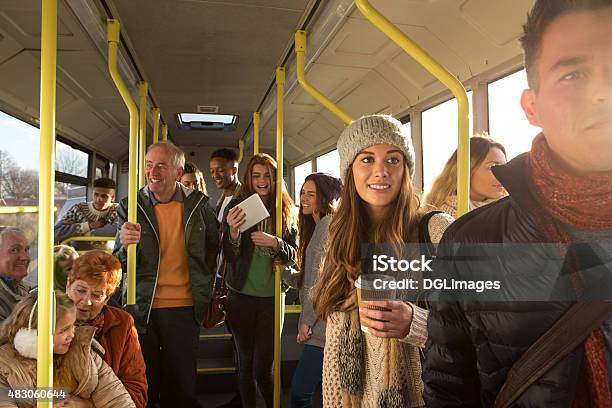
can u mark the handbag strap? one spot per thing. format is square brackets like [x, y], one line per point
[224, 268]
[563, 337]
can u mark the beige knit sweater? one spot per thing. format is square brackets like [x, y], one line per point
[374, 351]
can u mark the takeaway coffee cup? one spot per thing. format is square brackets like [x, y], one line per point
[370, 287]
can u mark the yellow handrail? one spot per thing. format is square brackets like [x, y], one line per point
[143, 90]
[240, 150]
[155, 112]
[48, 67]
[278, 294]
[164, 132]
[300, 50]
[438, 71]
[293, 309]
[81, 238]
[18, 210]
[256, 121]
[113, 28]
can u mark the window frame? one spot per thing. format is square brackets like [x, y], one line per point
[72, 178]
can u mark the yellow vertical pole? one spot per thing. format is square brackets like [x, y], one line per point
[46, 181]
[256, 121]
[143, 89]
[113, 28]
[155, 112]
[240, 150]
[164, 132]
[278, 295]
[452, 83]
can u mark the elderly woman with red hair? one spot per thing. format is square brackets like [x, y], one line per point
[93, 279]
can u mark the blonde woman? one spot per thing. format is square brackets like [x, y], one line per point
[484, 187]
[380, 367]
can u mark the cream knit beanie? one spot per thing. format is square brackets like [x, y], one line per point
[369, 131]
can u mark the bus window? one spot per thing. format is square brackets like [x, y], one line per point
[19, 168]
[440, 137]
[329, 163]
[70, 160]
[300, 173]
[507, 122]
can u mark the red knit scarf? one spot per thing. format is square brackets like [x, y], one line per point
[584, 203]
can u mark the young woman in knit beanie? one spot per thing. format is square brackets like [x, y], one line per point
[249, 276]
[317, 204]
[380, 368]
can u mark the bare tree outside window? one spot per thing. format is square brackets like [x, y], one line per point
[70, 161]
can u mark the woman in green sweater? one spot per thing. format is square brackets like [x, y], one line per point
[250, 258]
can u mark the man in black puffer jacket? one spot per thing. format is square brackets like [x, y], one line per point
[560, 192]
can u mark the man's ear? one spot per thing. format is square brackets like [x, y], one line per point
[234, 170]
[180, 174]
[529, 105]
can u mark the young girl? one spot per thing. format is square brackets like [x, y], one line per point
[484, 187]
[78, 366]
[317, 204]
[250, 277]
[380, 367]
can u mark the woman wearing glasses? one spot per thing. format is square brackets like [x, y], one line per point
[94, 277]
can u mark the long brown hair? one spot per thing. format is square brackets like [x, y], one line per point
[328, 191]
[445, 185]
[246, 190]
[350, 227]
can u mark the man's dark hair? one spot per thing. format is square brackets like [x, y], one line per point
[542, 14]
[227, 154]
[105, 182]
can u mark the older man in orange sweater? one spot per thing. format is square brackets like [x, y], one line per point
[177, 243]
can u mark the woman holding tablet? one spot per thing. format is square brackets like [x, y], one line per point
[250, 276]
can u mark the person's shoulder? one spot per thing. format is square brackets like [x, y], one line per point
[78, 208]
[10, 360]
[23, 288]
[437, 224]
[7, 352]
[118, 314]
[141, 196]
[117, 321]
[323, 225]
[482, 224]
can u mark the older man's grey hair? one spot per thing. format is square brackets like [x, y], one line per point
[177, 156]
[4, 230]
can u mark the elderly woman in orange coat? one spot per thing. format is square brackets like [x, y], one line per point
[93, 279]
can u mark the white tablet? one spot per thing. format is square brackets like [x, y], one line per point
[255, 211]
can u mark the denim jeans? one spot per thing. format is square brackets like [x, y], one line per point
[307, 376]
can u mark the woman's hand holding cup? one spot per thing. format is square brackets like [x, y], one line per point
[380, 314]
[394, 322]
